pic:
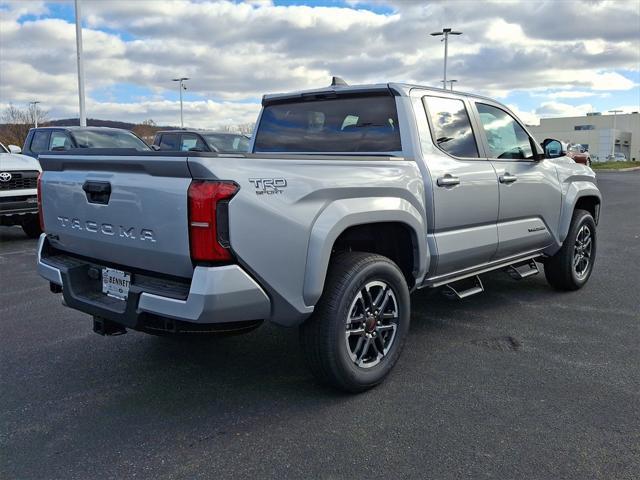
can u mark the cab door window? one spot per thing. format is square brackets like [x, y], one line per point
[507, 140]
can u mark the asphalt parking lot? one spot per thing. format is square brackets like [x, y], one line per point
[519, 382]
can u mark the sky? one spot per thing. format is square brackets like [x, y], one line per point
[542, 58]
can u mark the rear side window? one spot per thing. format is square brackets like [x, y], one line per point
[40, 141]
[348, 124]
[451, 126]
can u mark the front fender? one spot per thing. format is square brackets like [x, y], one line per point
[574, 192]
[345, 213]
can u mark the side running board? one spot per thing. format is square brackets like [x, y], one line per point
[464, 288]
[522, 270]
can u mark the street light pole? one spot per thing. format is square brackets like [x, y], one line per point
[613, 133]
[445, 32]
[34, 104]
[451, 82]
[181, 86]
[80, 57]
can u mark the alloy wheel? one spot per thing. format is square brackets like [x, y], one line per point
[582, 252]
[371, 324]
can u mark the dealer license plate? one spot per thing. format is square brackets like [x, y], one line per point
[115, 283]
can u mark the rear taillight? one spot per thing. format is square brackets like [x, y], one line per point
[40, 214]
[208, 220]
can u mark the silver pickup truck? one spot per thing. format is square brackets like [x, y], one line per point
[351, 198]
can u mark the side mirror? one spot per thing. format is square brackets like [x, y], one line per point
[15, 149]
[155, 148]
[554, 148]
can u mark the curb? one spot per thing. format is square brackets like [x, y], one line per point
[630, 169]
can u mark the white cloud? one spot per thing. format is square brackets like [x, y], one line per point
[235, 52]
[559, 109]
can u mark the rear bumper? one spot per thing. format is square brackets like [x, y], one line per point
[215, 295]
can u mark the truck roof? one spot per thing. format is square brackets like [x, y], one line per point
[201, 132]
[77, 127]
[397, 89]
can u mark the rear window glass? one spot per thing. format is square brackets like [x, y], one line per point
[169, 141]
[227, 143]
[350, 124]
[108, 139]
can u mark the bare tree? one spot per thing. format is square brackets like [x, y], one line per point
[146, 130]
[246, 128]
[17, 122]
[242, 128]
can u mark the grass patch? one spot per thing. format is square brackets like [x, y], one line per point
[613, 165]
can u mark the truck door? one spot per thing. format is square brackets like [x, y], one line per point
[530, 195]
[464, 187]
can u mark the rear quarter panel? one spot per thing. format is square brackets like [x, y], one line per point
[284, 239]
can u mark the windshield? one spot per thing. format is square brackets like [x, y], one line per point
[227, 143]
[349, 124]
[3, 149]
[108, 139]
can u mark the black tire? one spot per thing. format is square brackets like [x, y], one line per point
[325, 343]
[560, 270]
[31, 227]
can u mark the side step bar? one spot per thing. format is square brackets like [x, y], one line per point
[523, 270]
[464, 288]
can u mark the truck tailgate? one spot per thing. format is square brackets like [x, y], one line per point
[127, 210]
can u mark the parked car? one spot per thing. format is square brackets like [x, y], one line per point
[352, 197]
[18, 190]
[579, 154]
[617, 157]
[45, 139]
[200, 141]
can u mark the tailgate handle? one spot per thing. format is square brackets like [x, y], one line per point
[97, 192]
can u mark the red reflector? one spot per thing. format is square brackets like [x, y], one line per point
[40, 214]
[203, 229]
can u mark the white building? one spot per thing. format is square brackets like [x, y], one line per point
[596, 132]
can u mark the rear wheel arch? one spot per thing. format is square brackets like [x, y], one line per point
[393, 240]
[346, 225]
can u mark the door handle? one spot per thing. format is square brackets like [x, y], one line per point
[448, 180]
[508, 178]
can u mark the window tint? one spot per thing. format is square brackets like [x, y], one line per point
[225, 142]
[59, 141]
[169, 141]
[40, 141]
[348, 124]
[451, 126]
[190, 141]
[506, 138]
[108, 139]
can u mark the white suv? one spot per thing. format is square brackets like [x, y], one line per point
[18, 190]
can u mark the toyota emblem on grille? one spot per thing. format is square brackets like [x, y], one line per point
[5, 177]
